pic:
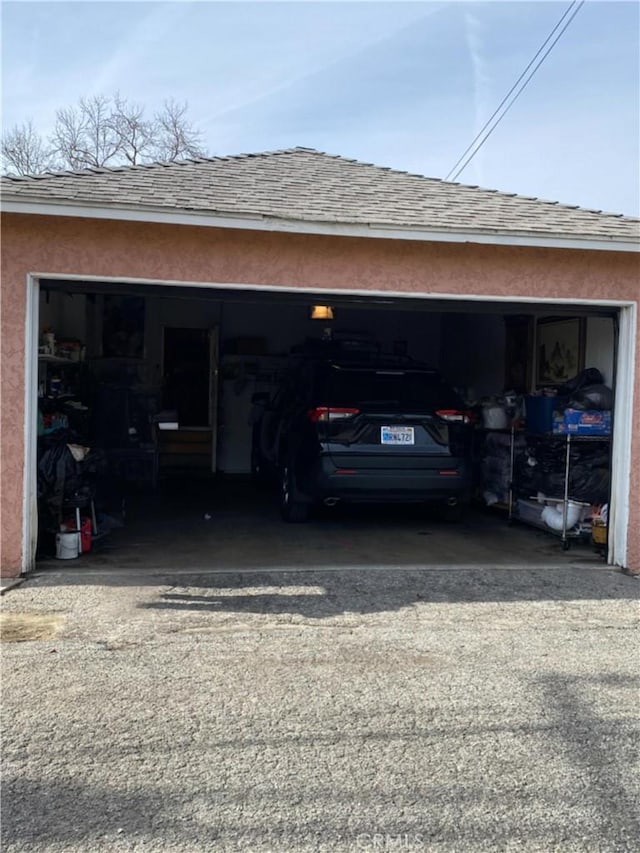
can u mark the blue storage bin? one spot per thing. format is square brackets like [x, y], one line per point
[539, 413]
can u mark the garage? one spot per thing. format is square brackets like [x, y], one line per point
[162, 382]
[156, 326]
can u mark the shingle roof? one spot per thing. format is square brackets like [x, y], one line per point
[304, 185]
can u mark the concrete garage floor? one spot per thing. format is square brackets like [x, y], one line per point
[244, 531]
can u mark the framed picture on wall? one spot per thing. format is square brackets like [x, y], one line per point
[560, 349]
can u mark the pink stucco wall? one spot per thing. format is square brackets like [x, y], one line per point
[59, 245]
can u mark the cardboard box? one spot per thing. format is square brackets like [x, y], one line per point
[579, 422]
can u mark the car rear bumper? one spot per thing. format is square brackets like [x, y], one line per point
[385, 486]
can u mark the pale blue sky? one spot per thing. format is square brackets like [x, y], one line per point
[398, 84]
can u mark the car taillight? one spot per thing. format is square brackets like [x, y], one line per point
[331, 413]
[455, 416]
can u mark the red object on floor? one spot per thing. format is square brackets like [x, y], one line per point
[85, 535]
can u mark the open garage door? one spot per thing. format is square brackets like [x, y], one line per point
[105, 381]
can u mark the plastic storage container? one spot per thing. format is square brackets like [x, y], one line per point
[539, 413]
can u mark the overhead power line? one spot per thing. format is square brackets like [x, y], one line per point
[570, 12]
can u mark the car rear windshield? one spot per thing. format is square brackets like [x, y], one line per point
[402, 389]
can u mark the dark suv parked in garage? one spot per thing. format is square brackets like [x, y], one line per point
[363, 429]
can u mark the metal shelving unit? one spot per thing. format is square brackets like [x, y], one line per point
[568, 439]
[45, 362]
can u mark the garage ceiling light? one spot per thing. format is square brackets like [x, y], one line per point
[322, 312]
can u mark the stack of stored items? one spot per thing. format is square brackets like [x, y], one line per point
[67, 477]
[576, 518]
[70, 349]
[541, 468]
[580, 407]
[496, 466]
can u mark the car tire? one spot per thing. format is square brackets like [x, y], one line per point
[292, 507]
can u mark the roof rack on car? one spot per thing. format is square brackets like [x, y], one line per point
[329, 347]
[354, 357]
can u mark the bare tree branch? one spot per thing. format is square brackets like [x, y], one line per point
[101, 131]
[175, 136]
[134, 132]
[102, 141]
[68, 137]
[84, 136]
[25, 152]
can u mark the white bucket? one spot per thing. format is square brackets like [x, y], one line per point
[67, 545]
[494, 417]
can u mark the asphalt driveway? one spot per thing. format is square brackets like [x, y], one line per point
[439, 710]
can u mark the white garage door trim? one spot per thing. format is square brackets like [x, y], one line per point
[622, 436]
[623, 421]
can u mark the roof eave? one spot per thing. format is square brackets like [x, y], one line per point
[177, 216]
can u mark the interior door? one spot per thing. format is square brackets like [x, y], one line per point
[186, 377]
[214, 356]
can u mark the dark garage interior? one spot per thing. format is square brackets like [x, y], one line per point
[147, 409]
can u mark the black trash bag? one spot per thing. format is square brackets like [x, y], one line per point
[593, 397]
[60, 477]
[588, 376]
[589, 484]
[541, 468]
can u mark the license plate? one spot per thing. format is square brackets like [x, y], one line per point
[397, 435]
